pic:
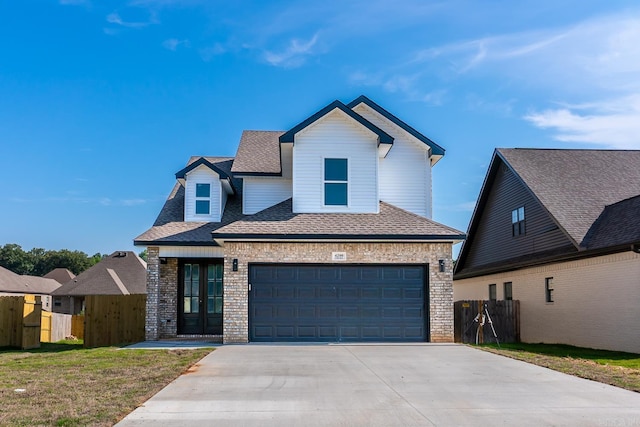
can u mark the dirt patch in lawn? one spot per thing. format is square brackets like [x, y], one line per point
[66, 385]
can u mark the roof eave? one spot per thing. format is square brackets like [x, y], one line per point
[436, 150]
[289, 136]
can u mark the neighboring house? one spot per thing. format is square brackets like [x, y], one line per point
[559, 230]
[60, 275]
[16, 284]
[319, 233]
[121, 273]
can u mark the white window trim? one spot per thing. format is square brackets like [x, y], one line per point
[324, 181]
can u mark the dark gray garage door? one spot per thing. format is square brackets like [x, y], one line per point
[345, 303]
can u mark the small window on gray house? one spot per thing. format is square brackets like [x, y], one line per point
[508, 291]
[57, 301]
[203, 199]
[335, 182]
[548, 289]
[492, 292]
[517, 222]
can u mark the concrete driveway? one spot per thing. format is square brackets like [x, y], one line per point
[380, 385]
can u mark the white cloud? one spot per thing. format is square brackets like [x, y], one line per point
[614, 123]
[173, 44]
[208, 53]
[116, 19]
[294, 55]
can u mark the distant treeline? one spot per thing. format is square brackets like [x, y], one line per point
[38, 261]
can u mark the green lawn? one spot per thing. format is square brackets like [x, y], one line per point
[611, 367]
[67, 385]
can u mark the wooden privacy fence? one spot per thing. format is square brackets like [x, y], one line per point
[20, 318]
[58, 326]
[114, 319]
[469, 316]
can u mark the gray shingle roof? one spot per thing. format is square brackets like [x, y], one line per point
[60, 275]
[279, 222]
[258, 153]
[619, 224]
[109, 276]
[22, 284]
[575, 186]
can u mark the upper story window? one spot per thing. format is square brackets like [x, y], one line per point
[335, 182]
[203, 199]
[517, 222]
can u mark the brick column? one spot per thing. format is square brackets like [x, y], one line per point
[441, 296]
[153, 293]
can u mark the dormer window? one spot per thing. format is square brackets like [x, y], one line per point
[203, 199]
[335, 182]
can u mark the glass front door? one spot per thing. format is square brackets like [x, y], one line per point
[200, 297]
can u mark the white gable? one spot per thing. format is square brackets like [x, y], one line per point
[217, 197]
[405, 173]
[336, 135]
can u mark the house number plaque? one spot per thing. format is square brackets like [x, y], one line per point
[338, 256]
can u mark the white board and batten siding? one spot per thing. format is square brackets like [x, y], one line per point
[405, 173]
[335, 136]
[260, 193]
[203, 175]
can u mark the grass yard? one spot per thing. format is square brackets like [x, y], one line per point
[67, 385]
[609, 367]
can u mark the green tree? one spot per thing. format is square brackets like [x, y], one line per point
[13, 258]
[143, 255]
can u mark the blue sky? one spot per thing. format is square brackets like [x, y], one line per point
[101, 102]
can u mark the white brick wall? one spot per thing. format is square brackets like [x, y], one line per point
[596, 301]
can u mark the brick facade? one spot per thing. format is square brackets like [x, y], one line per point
[163, 281]
[236, 299]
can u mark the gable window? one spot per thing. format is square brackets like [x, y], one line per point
[335, 182]
[203, 199]
[548, 289]
[492, 292]
[517, 222]
[508, 291]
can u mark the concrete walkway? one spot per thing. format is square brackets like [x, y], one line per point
[380, 385]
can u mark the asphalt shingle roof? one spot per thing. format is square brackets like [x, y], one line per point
[280, 222]
[258, 153]
[23, 284]
[109, 276]
[60, 275]
[575, 186]
[619, 224]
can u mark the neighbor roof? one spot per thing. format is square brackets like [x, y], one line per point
[618, 225]
[60, 275]
[11, 282]
[120, 273]
[575, 186]
[593, 196]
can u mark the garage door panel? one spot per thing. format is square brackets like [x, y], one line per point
[337, 303]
